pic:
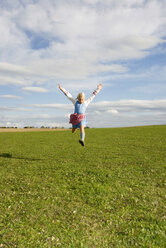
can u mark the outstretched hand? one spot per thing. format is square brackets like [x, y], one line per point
[99, 86]
[60, 87]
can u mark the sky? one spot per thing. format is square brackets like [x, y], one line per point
[79, 44]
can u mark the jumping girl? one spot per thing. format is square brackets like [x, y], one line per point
[78, 119]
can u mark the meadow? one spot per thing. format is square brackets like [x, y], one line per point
[110, 193]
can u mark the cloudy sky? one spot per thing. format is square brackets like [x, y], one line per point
[80, 43]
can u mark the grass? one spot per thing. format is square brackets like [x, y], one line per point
[110, 193]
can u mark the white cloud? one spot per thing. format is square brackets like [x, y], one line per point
[13, 109]
[97, 112]
[75, 69]
[8, 123]
[130, 105]
[80, 35]
[39, 116]
[10, 97]
[112, 111]
[10, 35]
[35, 89]
[53, 106]
[14, 74]
[11, 81]
[8, 68]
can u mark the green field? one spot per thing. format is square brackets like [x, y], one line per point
[110, 193]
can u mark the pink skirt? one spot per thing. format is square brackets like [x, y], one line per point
[76, 118]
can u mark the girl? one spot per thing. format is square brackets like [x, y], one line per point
[78, 119]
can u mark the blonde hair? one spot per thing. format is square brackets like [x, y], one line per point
[81, 95]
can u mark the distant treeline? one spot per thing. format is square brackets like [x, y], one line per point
[41, 127]
[36, 127]
[8, 127]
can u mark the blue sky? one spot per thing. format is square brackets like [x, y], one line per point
[121, 44]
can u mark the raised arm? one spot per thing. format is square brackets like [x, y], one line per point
[95, 92]
[69, 96]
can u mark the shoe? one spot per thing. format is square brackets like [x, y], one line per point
[82, 142]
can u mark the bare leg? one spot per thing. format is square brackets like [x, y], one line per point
[82, 134]
[74, 130]
[82, 129]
